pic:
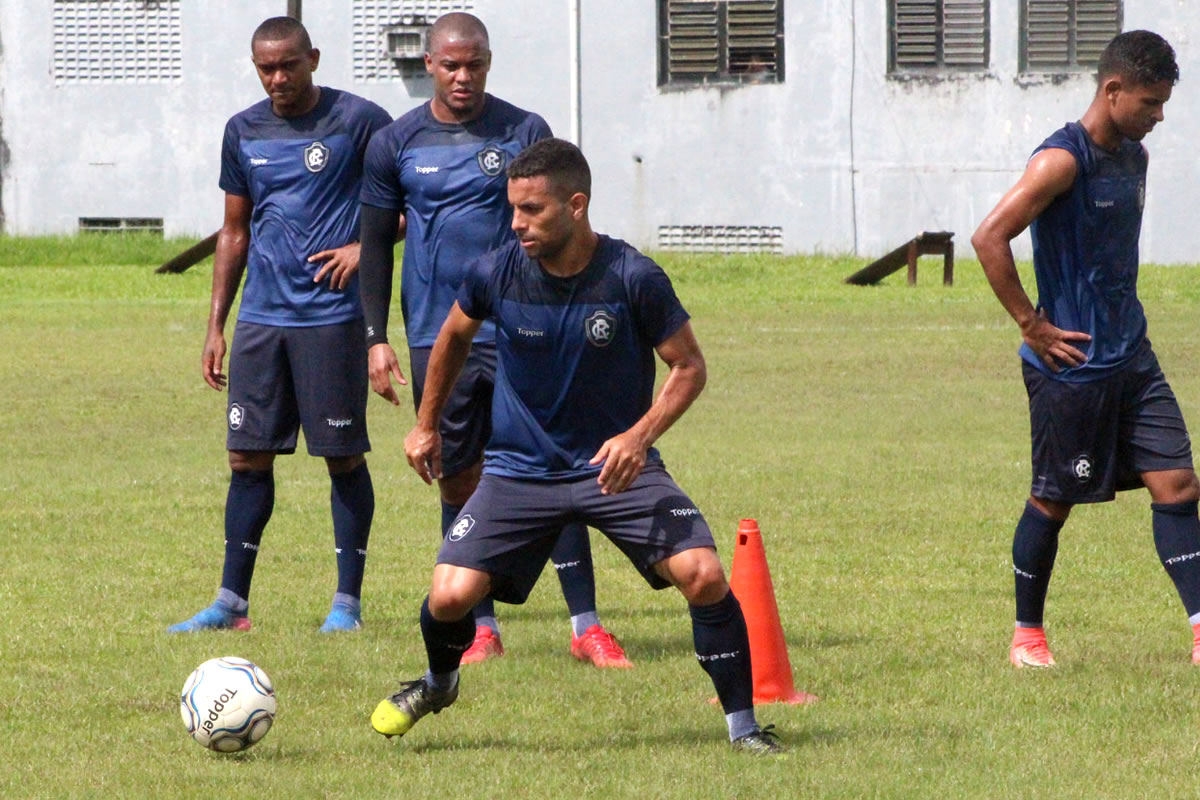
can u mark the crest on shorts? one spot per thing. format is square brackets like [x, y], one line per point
[600, 328]
[316, 156]
[491, 160]
[237, 415]
[1081, 467]
[461, 528]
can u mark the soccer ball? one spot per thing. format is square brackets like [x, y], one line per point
[227, 704]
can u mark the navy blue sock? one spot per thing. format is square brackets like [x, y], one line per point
[1035, 544]
[572, 560]
[723, 650]
[352, 501]
[485, 612]
[445, 642]
[1177, 539]
[248, 508]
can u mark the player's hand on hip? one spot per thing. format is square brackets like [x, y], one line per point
[382, 366]
[340, 265]
[623, 456]
[210, 361]
[423, 449]
[1053, 345]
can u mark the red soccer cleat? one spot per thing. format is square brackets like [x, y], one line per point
[486, 645]
[600, 647]
[1029, 649]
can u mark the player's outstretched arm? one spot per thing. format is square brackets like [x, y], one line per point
[423, 445]
[229, 262]
[1050, 173]
[624, 455]
[378, 230]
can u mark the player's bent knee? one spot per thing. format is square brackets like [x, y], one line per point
[1172, 486]
[455, 591]
[698, 575]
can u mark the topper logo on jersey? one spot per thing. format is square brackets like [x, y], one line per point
[1081, 467]
[461, 528]
[237, 415]
[600, 327]
[491, 160]
[316, 156]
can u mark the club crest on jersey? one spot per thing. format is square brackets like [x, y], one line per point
[491, 160]
[600, 328]
[461, 528]
[237, 415]
[316, 156]
[1081, 467]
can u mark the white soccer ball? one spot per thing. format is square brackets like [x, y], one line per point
[227, 704]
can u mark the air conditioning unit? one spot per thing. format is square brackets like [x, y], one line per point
[405, 41]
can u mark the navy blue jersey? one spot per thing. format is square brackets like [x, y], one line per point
[302, 175]
[575, 356]
[448, 179]
[1085, 254]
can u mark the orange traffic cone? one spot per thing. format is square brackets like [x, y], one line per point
[750, 580]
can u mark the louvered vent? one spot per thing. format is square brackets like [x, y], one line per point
[117, 41]
[939, 35]
[713, 41]
[1066, 35]
[373, 19]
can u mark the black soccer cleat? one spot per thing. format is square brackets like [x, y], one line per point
[395, 715]
[762, 742]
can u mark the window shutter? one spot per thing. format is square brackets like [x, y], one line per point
[693, 39]
[1096, 23]
[964, 33]
[755, 40]
[1047, 34]
[915, 31]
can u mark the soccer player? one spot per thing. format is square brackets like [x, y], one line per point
[578, 318]
[1102, 416]
[291, 168]
[441, 166]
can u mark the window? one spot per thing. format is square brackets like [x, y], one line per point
[721, 238]
[1066, 35]
[937, 35]
[379, 35]
[117, 41]
[720, 41]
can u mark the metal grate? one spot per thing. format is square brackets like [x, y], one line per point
[1066, 35]
[373, 18]
[939, 35]
[721, 238]
[121, 224]
[731, 41]
[117, 41]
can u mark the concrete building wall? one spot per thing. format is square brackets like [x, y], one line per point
[841, 156]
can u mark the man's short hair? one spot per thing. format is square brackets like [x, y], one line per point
[560, 161]
[277, 29]
[457, 24]
[1140, 57]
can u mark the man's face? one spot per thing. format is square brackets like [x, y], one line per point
[459, 68]
[542, 220]
[285, 69]
[1137, 109]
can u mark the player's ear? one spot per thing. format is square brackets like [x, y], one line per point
[314, 58]
[578, 203]
[428, 63]
[1111, 86]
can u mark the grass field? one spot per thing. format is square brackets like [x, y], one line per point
[877, 434]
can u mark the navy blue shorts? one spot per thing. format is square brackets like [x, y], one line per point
[508, 527]
[1091, 440]
[282, 378]
[467, 418]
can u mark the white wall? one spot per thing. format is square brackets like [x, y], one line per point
[842, 157]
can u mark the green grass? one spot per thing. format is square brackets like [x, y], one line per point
[877, 434]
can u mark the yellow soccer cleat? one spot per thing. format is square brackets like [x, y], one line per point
[395, 715]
